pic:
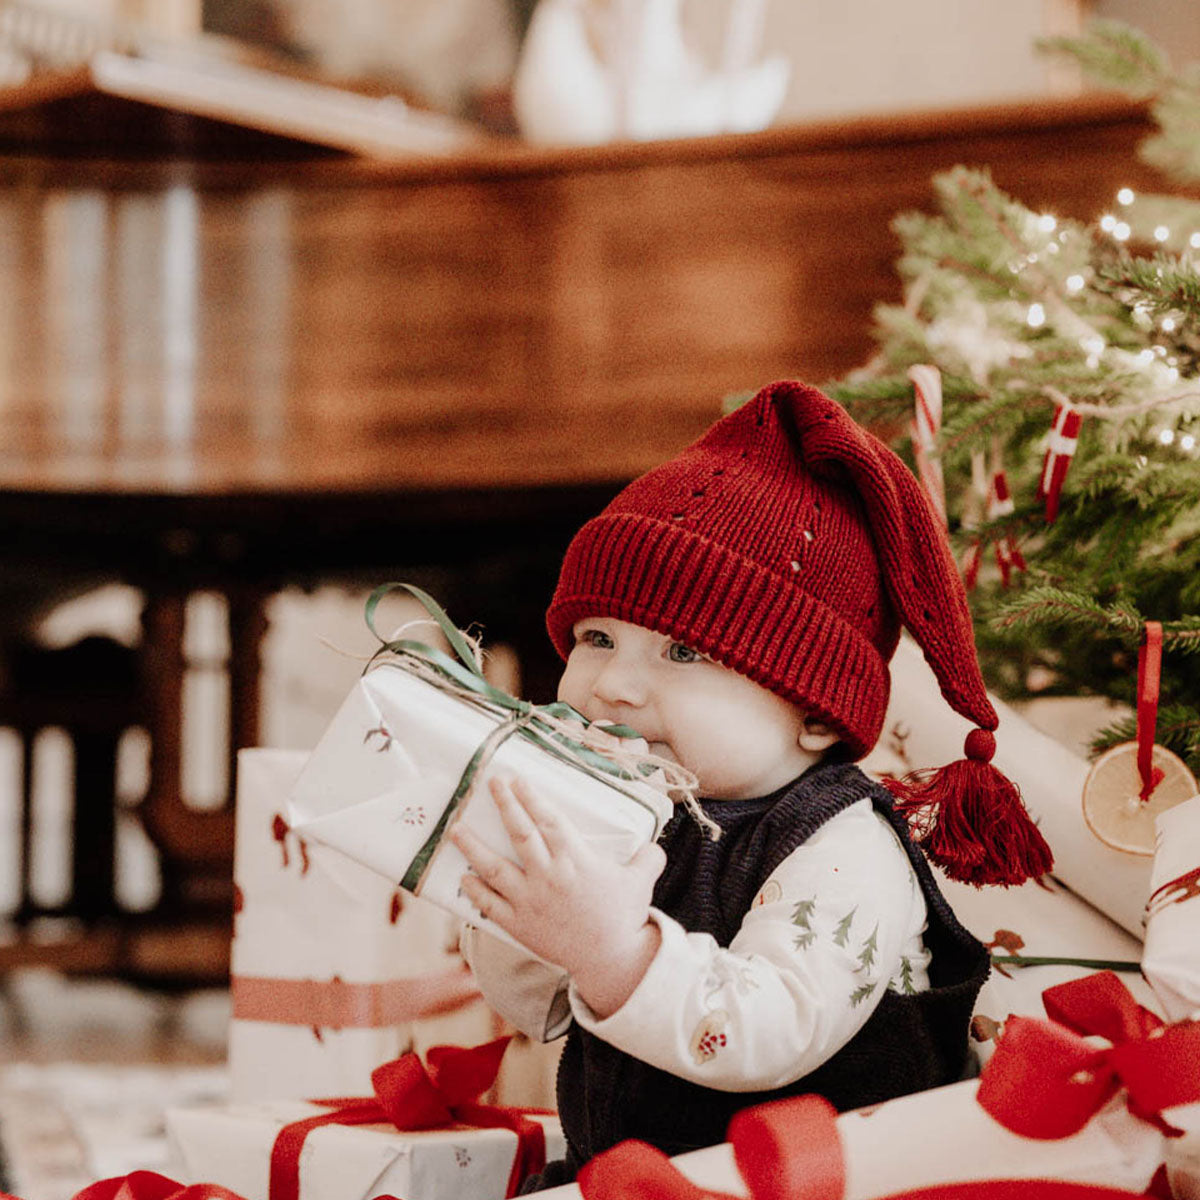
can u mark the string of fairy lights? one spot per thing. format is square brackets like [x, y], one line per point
[1155, 363]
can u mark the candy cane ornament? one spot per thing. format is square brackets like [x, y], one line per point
[926, 423]
[1000, 504]
[1008, 553]
[1064, 436]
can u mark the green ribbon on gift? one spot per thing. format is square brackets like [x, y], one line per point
[518, 717]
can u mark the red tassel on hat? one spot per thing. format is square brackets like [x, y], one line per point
[969, 819]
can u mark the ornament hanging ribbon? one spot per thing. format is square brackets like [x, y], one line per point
[412, 1095]
[1064, 437]
[1148, 684]
[557, 729]
[1045, 1080]
[924, 428]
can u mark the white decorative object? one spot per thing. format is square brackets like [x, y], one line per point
[594, 71]
[1171, 961]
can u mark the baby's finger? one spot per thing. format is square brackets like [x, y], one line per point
[522, 832]
[491, 905]
[501, 875]
[556, 830]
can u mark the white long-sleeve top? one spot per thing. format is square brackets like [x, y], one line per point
[837, 922]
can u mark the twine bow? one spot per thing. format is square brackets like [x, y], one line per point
[557, 728]
[1044, 1080]
[443, 1090]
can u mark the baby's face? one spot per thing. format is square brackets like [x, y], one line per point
[739, 739]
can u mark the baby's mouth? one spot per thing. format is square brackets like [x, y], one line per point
[663, 750]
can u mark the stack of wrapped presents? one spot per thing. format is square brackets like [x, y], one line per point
[365, 1064]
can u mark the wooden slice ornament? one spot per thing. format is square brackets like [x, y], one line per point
[1112, 803]
[1131, 783]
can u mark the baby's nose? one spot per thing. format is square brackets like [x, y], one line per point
[620, 683]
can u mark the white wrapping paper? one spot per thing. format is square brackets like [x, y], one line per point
[387, 767]
[306, 913]
[1037, 920]
[232, 1146]
[943, 1136]
[1171, 961]
[1049, 775]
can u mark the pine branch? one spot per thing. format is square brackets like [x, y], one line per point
[1116, 55]
[1177, 728]
[1166, 283]
[1058, 606]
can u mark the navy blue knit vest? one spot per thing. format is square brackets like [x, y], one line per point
[909, 1043]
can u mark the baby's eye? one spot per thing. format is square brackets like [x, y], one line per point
[677, 652]
[596, 638]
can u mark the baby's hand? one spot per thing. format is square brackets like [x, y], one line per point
[565, 902]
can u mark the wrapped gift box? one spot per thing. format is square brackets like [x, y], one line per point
[944, 1136]
[1040, 919]
[232, 1145]
[1171, 961]
[333, 970]
[381, 786]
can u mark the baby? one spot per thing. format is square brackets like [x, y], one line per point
[738, 607]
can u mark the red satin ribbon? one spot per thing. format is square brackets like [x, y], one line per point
[149, 1185]
[1045, 1081]
[413, 1095]
[1149, 678]
[790, 1150]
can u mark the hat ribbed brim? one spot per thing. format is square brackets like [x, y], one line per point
[670, 579]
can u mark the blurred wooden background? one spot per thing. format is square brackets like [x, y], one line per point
[231, 364]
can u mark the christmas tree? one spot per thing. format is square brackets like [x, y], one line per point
[1043, 328]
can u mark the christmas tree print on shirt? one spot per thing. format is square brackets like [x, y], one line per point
[866, 960]
[841, 935]
[802, 916]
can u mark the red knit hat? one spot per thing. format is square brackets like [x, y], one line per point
[790, 544]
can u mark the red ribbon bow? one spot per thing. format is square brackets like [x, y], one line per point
[1045, 1081]
[149, 1185]
[791, 1150]
[411, 1094]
